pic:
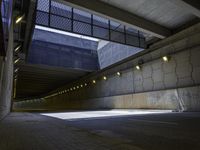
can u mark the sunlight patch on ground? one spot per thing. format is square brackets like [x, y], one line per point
[101, 114]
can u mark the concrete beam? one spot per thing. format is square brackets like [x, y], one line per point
[192, 6]
[119, 15]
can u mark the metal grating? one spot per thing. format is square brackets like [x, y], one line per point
[81, 16]
[56, 15]
[42, 18]
[118, 36]
[82, 28]
[59, 22]
[99, 32]
[61, 9]
[99, 21]
[43, 5]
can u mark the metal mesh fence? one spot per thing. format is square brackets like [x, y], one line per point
[82, 28]
[59, 22]
[56, 15]
[99, 32]
[42, 18]
[43, 5]
[61, 9]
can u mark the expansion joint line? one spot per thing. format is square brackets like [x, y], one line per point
[192, 67]
[163, 76]
[153, 86]
[179, 99]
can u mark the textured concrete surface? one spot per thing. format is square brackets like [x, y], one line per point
[114, 52]
[174, 131]
[57, 55]
[182, 99]
[158, 11]
[6, 78]
[61, 39]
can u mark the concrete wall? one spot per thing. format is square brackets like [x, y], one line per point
[111, 53]
[158, 85]
[62, 39]
[181, 99]
[6, 78]
[57, 55]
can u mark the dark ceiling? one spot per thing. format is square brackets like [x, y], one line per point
[36, 80]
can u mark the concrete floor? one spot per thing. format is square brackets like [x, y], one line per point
[128, 130]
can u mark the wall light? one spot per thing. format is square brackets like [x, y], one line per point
[15, 77]
[138, 67]
[140, 63]
[104, 77]
[81, 85]
[165, 58]
[17, 60]
[118, 73]
[93, 81]
[17, 48]
[16, 70]
[19, 19]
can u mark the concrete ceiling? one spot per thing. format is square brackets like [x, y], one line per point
[163, 12]
[159, 18]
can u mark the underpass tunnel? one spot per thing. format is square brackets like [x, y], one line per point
[100, 70]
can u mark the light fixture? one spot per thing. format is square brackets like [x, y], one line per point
[74, 88]
[166, 58]
[85, 84]
[81, 85]
[15, 77]
[104, 77]
[93, 81]
[17, 48]
[77, 87]
[17, 60]
[71, 89]
[140, 63]
[138, 67]
[118, 73]
[19, 19]
[16, 70]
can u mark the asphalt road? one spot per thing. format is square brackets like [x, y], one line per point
[101, 130]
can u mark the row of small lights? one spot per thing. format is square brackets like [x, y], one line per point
[138, 67]
[18, 20]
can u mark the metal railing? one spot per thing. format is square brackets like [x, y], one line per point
[62, 17]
